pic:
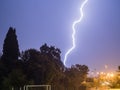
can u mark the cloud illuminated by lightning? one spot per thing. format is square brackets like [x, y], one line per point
[74, 31]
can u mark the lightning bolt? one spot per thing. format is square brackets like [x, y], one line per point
[74, 31]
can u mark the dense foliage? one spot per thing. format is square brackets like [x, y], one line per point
[43, 66]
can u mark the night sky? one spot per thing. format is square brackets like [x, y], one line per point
[50, 21]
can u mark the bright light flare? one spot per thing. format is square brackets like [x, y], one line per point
[74, 31]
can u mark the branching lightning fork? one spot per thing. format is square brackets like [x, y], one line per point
[74, 31]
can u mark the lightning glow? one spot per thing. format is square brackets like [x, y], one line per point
[74, 31]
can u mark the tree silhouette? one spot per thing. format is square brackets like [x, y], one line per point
[118, 68]
[76, 75]
[42, 66]
[0, 54]
[53, 54]
[10, 51]
[10, 46]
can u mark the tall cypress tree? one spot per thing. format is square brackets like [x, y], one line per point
[10, 47]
